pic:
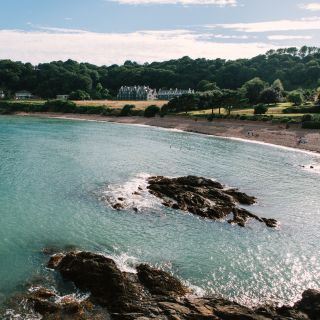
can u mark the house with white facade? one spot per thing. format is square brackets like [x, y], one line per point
[23, 95]
[62, 97]
[164, 94]
[2, 95]
[137, 93]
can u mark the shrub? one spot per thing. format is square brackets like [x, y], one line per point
[260, 109]
[296, 97]
[60, 106]
[79, 95]
[151, 111]
[284, 120]
[303, 109]
[127, 110]
[269, 95]
[311, 125]
[307, 117]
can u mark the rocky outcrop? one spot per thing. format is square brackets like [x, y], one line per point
[53, 307]
[205, 198]
[148, 294]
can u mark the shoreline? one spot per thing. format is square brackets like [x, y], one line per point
[246, 131]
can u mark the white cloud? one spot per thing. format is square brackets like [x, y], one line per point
[220, 3]
[280, 37]
[109, 48]
[270, 26]
[313, 6]
[223, 36]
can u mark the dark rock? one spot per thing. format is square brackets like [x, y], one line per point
[205, 198]
[51, 306]
[241, 197]
[272, 223]
[118, 206]
[160, 282]
[310, 304]
[55, 260]
[150, 294]
[121, 199]
[99, 275]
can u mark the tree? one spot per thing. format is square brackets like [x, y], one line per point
[151, 111]
[205, 85]
[183, 103]
[296, 97]
[260, 109]
[269, 95]
[230, 99]
[79, 95]
[296, 68]
[252, 89]
[210, 99]
[317, 99]
[278, 86]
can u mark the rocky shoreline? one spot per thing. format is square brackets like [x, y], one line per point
[202, 197]
[147, 294]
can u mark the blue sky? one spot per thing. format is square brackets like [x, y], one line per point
[112, 31]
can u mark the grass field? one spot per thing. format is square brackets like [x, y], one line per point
[140, 105]
[275, 110]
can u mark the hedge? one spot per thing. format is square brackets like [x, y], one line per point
[311, 125]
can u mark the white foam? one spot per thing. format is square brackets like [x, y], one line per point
[15, 315]
[313, 168]
[131, 194]
[78, 297]
[124, 262]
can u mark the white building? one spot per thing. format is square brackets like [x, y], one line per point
[62, 97]
[164, 94]
[137, 93]
[2, 95]
[23, 95]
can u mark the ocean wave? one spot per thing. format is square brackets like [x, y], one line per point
[124, 262]
[133, 194]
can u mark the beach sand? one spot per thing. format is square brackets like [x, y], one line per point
[249, 130]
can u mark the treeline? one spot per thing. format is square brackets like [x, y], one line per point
[296, 68]
[254, 92]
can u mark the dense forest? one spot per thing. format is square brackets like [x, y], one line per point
[296, 68]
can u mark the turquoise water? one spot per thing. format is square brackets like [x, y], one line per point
[53, 174]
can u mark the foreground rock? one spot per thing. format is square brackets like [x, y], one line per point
[149, 294]
[205, 198]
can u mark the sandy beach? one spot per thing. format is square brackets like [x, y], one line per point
[275, 134]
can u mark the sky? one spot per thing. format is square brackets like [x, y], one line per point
[106, 32]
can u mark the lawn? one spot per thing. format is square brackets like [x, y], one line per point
[276, 111]
[140, 105]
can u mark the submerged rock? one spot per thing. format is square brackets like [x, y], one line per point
[205, 198]
[152, 294]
